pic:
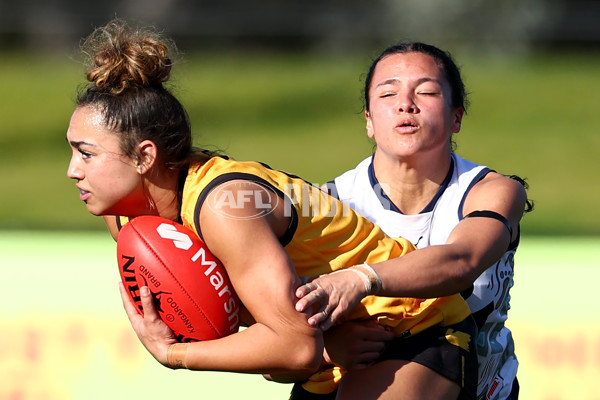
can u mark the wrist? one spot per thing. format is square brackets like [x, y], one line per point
[176, 355]
[372, 280]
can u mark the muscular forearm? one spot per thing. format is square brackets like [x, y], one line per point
[442, 270]
[257, 349]
[289, 377]
[434, 271]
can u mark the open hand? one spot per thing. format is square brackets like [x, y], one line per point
[335, 293]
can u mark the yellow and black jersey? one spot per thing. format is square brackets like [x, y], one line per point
[323, 236]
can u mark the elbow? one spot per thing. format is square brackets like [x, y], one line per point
[308, 360]
[299, 366]
[465, 267]
[464, 281]
[466, 272]
[305, 356]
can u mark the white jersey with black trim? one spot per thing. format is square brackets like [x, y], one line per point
[488, 300]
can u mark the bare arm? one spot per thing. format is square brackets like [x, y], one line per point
[472, 247]
[435, 271]
[281, 340]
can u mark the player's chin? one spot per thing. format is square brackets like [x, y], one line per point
[94, 209]
[94, 212]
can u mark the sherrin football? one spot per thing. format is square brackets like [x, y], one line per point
[191, 290]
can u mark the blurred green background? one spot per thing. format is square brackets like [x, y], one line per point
[533, 114]
[281, 82]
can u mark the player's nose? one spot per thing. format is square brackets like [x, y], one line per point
[74, 171]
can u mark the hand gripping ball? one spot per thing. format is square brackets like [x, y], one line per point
[190, 287]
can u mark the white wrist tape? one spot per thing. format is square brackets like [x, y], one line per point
[375, 284]
[365, 278]
[363, 275]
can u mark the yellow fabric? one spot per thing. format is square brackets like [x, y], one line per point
[328, 236]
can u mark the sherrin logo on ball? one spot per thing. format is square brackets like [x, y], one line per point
[190, 287]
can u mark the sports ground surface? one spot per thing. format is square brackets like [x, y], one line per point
[66, 336]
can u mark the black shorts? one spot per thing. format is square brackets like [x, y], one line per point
[436, 348]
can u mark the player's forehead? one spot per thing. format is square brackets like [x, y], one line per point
[87, 127]
[401, 67]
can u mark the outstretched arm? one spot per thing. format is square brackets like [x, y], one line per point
[435, 271]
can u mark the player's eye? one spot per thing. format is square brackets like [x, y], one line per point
[429, 89]
[84, 154]
[429, 93]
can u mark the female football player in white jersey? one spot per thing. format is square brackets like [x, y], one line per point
[464, 217]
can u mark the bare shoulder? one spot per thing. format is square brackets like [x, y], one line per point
[243, 203]
[499, 193]
[244, 210]
[496, 181]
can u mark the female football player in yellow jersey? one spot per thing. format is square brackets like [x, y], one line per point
[132, 155]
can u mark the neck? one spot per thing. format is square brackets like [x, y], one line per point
[164, 190]
[411, 183]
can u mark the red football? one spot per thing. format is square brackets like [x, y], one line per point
[190, 286]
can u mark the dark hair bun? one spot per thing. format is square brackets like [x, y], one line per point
[121, 57]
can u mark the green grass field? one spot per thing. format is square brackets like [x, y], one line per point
[66, 336]
[533, 115]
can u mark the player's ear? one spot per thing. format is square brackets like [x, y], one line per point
[458, 115]
[148, 154]
[370, 131]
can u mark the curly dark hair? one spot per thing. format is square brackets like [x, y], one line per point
[127, 69]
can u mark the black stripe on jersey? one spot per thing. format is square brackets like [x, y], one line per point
[513, 245]
[284, 240]
[267, 166]
[475, 180]
[467, 292]
[332, 189]
[384, 199]
[482, 315]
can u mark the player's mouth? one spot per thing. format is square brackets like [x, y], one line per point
[407, 126]
[83, 194]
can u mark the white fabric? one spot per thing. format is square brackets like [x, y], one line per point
[495, 347]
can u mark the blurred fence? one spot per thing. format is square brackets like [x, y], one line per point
[329, 25]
